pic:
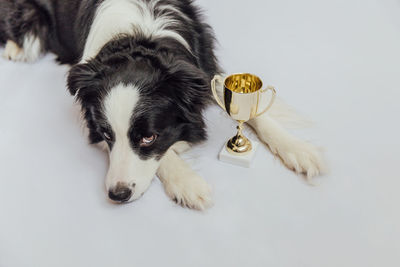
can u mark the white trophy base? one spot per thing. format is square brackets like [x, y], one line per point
[244, 161]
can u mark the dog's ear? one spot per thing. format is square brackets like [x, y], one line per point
[82, 76]
[190, 88]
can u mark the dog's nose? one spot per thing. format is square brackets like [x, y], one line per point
[120, 193]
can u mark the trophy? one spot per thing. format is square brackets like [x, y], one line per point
[244, 99]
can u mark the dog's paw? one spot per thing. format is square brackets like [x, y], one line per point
[12, 51]
[302, 157]
[190, 191]
[30, 51]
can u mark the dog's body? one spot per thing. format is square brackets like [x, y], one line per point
[141, 70]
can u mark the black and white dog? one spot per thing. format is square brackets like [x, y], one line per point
[141, 71]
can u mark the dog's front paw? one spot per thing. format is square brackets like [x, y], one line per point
[190, 191]
[302, 157]
[12, 51]
[30, 51]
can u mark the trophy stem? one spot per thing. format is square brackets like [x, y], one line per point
[240, 128]
[239, 144]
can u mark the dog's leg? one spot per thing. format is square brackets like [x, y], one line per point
[182, 184]
[296, 154]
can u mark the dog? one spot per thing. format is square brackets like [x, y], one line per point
[141, 72]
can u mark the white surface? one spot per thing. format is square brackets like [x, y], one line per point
[335, 61]
[239, 160]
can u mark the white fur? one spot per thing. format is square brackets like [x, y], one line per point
[29, 52]
[300, 156]
[287, 116]
[182, 184]
[12, 51]
[116, 17]
[125, 165]
[181, 146]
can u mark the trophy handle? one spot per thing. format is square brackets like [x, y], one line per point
[273, 90]
[214, 90]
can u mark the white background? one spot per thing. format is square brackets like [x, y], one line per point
[337, 62]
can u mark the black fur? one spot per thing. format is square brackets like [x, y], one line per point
[174, 83]
[62, 26]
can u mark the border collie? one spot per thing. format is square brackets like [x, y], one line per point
[141, 71]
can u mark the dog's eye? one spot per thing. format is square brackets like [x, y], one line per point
[148, 141]
[107, 136]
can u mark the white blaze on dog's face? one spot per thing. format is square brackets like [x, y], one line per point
[129, 175]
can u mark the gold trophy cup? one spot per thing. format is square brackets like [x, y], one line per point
[243, 99]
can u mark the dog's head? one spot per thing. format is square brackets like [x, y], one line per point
[141, 102]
